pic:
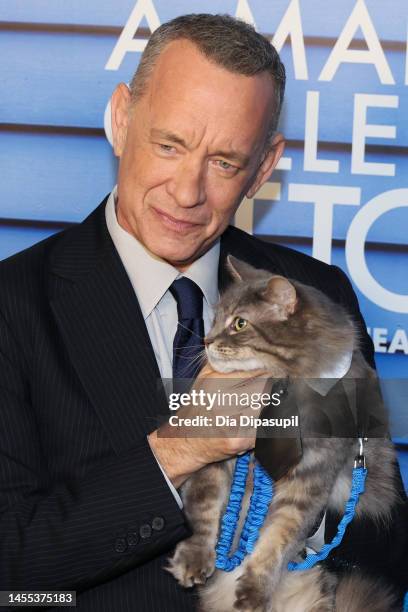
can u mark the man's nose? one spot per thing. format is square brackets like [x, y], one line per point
[187, 185]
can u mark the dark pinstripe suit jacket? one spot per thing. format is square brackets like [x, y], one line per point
[83, 504]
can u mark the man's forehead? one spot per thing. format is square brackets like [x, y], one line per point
[179, 53]
[187, 92]
[182, 61]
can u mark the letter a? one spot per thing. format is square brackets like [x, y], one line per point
[244, 12]
[291, 25]
[126, 41]
[359, 18]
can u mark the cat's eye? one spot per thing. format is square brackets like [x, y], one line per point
[239, 324]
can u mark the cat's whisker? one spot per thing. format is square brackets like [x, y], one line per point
[190, 330]
[198, 359]
[185, 348]
[191, 357]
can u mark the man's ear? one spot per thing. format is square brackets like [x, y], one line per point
[273, 155]
[120, 116]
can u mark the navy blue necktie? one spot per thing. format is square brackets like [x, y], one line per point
[188, 342]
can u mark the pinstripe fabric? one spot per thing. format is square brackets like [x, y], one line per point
[78, 393]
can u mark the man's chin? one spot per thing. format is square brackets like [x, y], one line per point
[180, 260]
[175, 255]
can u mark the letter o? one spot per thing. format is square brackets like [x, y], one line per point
[355, 242]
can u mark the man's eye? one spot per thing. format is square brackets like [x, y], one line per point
[238, 324]
[166, 148]
[225, 166]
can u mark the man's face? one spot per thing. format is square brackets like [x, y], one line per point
[192, 146]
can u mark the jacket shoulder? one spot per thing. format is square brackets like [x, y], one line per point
[24, 270]
[28, 267]
[282, 256]
[294, 265]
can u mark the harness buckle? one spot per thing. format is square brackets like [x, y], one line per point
[359, 460]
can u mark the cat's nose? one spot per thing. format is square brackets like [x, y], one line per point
[208, 341]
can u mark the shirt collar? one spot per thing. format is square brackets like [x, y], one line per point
[142, 266]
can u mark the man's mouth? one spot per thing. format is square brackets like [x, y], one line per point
[177, 225]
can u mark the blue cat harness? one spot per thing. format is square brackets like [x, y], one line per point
[260, 501]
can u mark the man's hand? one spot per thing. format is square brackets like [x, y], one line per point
[182, 451]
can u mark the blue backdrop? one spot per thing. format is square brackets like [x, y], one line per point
[341, 192]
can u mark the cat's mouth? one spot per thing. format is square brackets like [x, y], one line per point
[222, 361]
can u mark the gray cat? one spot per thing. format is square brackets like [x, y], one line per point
[289, 330]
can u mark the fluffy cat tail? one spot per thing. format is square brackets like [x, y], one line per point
[356, 592]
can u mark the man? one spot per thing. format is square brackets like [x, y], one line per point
[87, 321]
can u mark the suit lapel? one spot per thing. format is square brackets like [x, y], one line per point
[104, 331]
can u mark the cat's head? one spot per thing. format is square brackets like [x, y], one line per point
[265, 321]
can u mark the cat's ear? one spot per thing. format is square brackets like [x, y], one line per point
[282, 294]
[240, 270]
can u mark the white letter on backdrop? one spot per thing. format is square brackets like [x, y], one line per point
[244, 12]
[355, 243]
[310, 162]
[359, 18]
[126, 42]
[362, 130]
[324, 198]
[291, 25]
[399, 342]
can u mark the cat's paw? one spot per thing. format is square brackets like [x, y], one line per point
[193, 562]
[251, 593]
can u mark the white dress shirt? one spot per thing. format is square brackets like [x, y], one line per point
[151, 278]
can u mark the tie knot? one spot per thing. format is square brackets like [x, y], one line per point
[189, 298]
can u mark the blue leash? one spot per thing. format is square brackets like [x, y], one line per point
[258, 508]
[357, 487]
[405, 602]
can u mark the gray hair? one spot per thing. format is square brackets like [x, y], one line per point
[228, 42]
